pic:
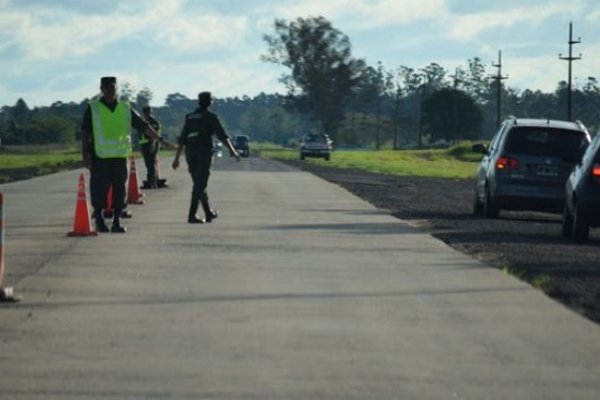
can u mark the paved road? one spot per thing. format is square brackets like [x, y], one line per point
[298, 290]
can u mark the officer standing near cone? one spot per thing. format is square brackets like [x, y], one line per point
[106, 147]
[196, 137]
[149, 147]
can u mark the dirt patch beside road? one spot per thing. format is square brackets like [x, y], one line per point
[526, 244]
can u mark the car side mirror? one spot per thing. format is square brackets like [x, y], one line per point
[479, 148]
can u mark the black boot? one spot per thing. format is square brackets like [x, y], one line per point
[100, 224]
[210, 214]
[192, 218]
[116, 225]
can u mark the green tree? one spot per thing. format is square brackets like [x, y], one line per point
[452, 115]
[45, 127]
[144, 97]
[322, 69]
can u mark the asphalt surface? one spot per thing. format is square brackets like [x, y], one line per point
[299, 290]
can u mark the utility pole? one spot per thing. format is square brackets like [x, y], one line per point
[498, 78]
[570, 59]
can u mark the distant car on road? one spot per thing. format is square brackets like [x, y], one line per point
[582, 197]
[242, 144]
[527, 165]
[316, 145]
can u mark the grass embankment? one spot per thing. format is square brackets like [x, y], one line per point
[455, 162]
[24, 162]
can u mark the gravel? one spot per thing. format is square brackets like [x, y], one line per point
[528, 245]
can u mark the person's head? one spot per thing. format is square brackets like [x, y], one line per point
[108, 86]
[204, 99]
[147, 110]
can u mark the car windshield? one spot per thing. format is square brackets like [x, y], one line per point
[316, 138]
[241, 140]
[550, 142]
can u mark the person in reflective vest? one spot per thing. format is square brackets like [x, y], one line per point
[105, 148]
[149, 149]
[197, 137]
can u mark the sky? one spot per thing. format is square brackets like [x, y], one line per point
[57, 50]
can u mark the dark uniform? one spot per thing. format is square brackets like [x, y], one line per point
[197, 137]
[105, 172]
[149, 149]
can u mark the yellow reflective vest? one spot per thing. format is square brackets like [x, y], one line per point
[111, 129]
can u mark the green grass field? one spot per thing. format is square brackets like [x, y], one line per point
[455, 162]
[22, 162]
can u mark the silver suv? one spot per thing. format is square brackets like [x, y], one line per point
[527, 165]
[315, 145]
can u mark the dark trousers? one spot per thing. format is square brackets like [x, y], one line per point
[150, 151]
[104, 173]
[199, 163]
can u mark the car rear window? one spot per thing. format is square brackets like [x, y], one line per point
[316, 138]
[550, 142]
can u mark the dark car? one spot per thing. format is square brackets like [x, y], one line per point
[242, 144]
[527, 165]
[315, 145]
[582, 197]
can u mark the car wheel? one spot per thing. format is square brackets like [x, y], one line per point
[567, 222]
[581, 227]
[327, 157]
[302, 157]
[490, 210]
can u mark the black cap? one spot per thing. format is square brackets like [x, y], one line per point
[108, 80]
[204, 98]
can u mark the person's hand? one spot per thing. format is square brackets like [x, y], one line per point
[175, 163]
[236, 155]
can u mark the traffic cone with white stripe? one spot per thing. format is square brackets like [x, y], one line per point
[82, 225]
[134, 194]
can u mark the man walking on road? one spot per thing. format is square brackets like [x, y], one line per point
[105, 148]
[196, 136]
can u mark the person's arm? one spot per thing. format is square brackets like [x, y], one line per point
[224, 138]
[182, 140]
[139, 123]
[232, 151]
[177, 155]
[86, 132]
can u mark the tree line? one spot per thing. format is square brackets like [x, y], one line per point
[330, 91]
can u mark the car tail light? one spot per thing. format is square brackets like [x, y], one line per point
[507, 163]
[596, 172]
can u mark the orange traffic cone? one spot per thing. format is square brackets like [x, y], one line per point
[82, 225]
[6, 293]
[134, 195]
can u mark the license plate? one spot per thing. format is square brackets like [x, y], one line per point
[545, 170]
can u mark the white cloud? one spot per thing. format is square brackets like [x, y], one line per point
[55, 34]
[469, 26]
[201, 33]
[365, 13]
[50, 51]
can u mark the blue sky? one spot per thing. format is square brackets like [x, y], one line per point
[57, 50]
